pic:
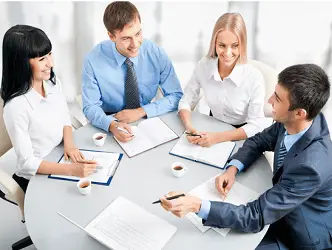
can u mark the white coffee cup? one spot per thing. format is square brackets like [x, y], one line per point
[179, 169]
[99, 139]
[84, 186]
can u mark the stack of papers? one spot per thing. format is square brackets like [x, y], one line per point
[238, 195]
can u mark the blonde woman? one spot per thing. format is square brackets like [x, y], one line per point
[233, 89]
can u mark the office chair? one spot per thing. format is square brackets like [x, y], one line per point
[270, 76]
[15, 196]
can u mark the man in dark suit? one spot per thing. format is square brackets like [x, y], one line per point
[299, 205]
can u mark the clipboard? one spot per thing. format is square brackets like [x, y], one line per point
[104, 178]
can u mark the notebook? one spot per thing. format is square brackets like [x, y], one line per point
[124, 225]
[148, 134]
[107, 164]
[216, 155]
[238, 194]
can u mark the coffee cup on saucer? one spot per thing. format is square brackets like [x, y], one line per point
[178, 169]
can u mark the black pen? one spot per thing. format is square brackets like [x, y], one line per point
[192, 134]
[169, 198]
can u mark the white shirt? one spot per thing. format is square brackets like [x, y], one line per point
[237, 99]
[35, 126]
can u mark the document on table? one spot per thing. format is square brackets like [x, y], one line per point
[238, 195]
[216, 155]
[107, 163]
[148, 134]
[125, 225]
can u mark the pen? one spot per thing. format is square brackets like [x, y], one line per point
[169, 198]
[123, 130]
[192, 134]
[224, 185]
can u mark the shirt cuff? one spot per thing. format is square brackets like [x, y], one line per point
[106, 122]
[239, 165]
[205, 209]
[150, 110]
[183, 105]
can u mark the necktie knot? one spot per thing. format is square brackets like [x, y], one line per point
[128, 62]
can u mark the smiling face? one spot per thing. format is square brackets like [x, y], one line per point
[129, 40]
[227, 48]
[41, 67]
[280, 101]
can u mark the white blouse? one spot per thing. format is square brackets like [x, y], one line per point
[237, 99]
[35, 126]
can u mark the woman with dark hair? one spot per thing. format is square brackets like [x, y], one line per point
[35, 112]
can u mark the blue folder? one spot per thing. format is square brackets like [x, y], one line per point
[93, 182]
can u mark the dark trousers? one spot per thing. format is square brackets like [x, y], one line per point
[22, 182]
[236, 126]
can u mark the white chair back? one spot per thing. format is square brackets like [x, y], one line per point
[270, 79]
[12, 190]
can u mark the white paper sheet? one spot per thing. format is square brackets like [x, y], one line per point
[125, 225]
[106, 162]
[147, 134]
[239, 194]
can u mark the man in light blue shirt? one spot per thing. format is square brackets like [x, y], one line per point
[105, 75]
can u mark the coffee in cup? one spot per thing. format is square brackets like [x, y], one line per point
[84, 186]
[99, 139]
[178, 169]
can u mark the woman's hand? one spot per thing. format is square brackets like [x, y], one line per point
[83, 168]
[207, 139]
[73, 153]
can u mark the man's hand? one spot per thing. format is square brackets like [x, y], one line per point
[181, 206]
[73, 153]
[130, 115]
[207, 139]
[225, 181]
[121, 135]
[83, 168]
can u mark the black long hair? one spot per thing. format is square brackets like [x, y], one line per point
[21, 43]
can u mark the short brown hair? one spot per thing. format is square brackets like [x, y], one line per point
[118, 14]
[232, 22]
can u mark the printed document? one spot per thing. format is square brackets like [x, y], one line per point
[124, 225]
[238, 195]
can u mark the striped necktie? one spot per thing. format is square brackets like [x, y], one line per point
[281, 154]
[131, 88]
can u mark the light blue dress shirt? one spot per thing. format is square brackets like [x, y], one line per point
[289, 141]
[103, 82]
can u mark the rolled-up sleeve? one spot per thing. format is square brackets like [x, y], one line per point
[92, 100]
[256, 121]
[191, 93]
[17, 124]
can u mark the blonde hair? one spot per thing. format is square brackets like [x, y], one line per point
[232, 22]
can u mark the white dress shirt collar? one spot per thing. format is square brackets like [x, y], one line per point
[34, 98]
[236, 76]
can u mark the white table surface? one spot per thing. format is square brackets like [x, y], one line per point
[141, 179]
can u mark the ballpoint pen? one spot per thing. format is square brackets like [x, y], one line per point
[192, 134]
[123, 130]
[169, 198]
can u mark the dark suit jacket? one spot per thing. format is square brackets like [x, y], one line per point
[300, 201]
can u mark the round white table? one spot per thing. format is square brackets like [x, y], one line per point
[141, 179]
